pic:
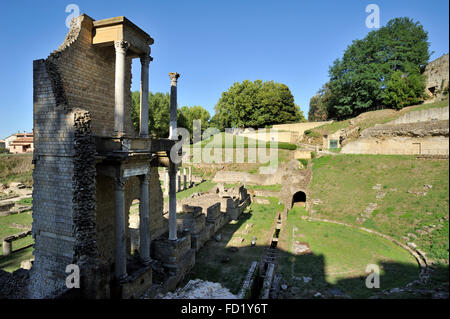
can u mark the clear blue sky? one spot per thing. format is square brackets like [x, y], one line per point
[212, 44]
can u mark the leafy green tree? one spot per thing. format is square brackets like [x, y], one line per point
[358, 80]
[158, 113]
[402, 90]
[256, 104]
[187, 115]
[320, 103]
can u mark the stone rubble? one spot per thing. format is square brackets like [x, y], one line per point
[199, 289]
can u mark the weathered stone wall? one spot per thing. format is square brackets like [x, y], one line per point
[426, 138]
[434, 114]
[87, 75]
[53, 222]
[73, 100]
[437, 76]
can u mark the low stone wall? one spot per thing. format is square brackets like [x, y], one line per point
[7, 242]
[232, 177]
[422, 138]
[195, 226]
[434, 114]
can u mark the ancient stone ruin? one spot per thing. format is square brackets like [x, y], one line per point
[91, 164]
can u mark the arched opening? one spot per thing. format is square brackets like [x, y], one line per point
[299, 199]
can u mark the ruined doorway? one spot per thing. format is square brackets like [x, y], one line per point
[299, 199]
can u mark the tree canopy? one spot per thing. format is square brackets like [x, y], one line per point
[187, 115]
[159, 114]
[256, 104]
[374, 68]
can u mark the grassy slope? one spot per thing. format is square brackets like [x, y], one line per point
[16, 168]
[344, 184]
[339, 256]
[372, 118]
[208, 264]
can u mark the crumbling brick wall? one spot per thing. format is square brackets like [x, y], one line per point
[73, 101]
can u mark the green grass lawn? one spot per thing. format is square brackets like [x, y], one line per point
[344, 184]
[12, 262]
[339, 256]
[208, 264]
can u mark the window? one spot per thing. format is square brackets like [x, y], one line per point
[333, 143]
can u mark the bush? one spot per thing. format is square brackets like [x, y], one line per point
[304, 161]
[3, 150]
[285, 146]
[313, 154]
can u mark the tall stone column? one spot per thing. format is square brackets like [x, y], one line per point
[144, 221]
[190, 176]
[166, 182]
[121, 254]
[172, 202]
[143, 121]
[184, 179]
[119, 100]
[173, 105]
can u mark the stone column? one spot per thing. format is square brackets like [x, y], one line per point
[119, 101]
[121, 254]
[184, 179]
[143, 121]
[173, 105]
[166, 182]
[190, 176]
[172, 202]
[144, 221]
[178, 181]
[7, 248]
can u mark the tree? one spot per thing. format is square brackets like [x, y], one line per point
[158, 113]
[319, 104]
[359, 79]
[402, 90]
[256, 104]
[187, 115]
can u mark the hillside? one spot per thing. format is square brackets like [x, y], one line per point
[365, 120]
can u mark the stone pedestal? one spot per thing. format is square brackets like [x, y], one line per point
[6, 247]
[176, 256]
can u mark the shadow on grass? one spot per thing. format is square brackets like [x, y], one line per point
[305, 274]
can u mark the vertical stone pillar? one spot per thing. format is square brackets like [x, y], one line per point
[7, 248]
[172, 202]
[121, 254]
[119, 101]
[178, 181]
[190, 176]
[173, 105]
[143, 120]
[184, 178]
[144, 221]
[166, 182]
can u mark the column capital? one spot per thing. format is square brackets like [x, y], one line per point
[121, 46]
[146, 59]
[174, 78]
[120, 183]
